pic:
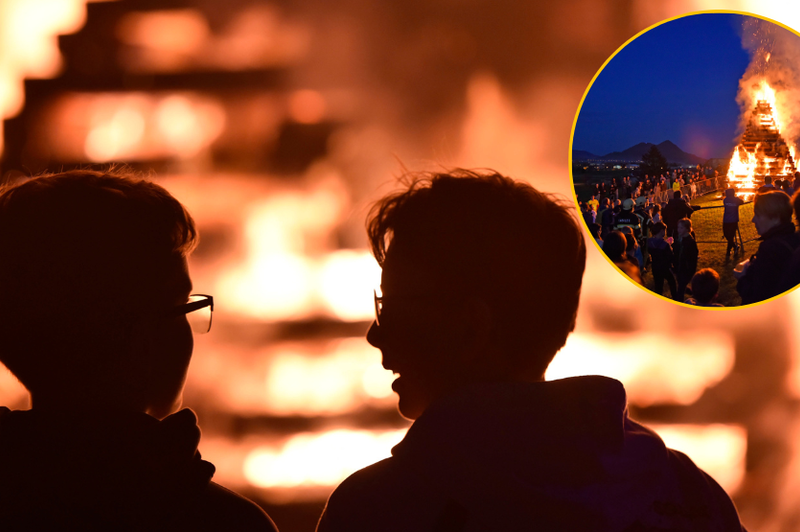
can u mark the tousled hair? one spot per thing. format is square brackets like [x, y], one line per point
[705, 285]
[774, 204]
[482, 234]
[81, 252]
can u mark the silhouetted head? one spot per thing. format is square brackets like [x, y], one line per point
[676, 194]
[614, 246]
[771, 209]
[659, 229]
[91, 264]
[481, 281]
[705, 286]
[684, 226]
[767, 180]
[730, 192]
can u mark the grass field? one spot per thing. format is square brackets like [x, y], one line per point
[707, 224]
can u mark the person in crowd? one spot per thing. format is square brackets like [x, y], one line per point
[588, 214]
[96, 322]
[593, 203]
[480, 288]
[628, 218]
[632, 248]
[730, 220]
[686, 254]
[595, 231]
[615, 246]
[660, 249]
[767, 186]
[705, 289]
[676, 209]
[761, 276]
[605, 217]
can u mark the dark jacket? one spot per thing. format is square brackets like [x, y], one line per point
[764, 276]
[661, 254]
[674, 211]
[731, 209]
[557, 456]
[123, 472]
[686, 253]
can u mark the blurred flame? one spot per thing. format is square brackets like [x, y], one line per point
[132, 126]
[281, 276]
[29, 45]
[318, 459]
[173, 32]
[338, 382]
[309, 378]
[675, 370]
[306, 106]
[719, 450]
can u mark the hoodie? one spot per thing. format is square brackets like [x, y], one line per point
[111, 471]
[557, 456]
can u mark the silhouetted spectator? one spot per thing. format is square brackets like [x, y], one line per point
[676, 209]
[730, 219]
[615, 246]
[96, 321]
[686, 252]
[767, 186]
[662, 257]
[481, 281]
[762, 275]
[705, 289]
[594, 230]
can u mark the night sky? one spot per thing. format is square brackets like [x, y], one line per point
[676, 82]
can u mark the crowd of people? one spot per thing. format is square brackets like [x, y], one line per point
[638, 234]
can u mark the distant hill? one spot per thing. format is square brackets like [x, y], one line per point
[668, 149]
[580, 155]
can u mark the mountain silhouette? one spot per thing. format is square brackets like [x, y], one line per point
[672, 153]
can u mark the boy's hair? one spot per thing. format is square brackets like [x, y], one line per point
[594, 229]
[686, 223]
[80, 253]
[705, 285]
[614, 245]
[658, 227]
[774, 204]
[482, 234]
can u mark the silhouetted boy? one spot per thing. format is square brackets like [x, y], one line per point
[661, 253]
[480, 288]
[705, 289]
[96, 321]
[762, 275]
[686, 253]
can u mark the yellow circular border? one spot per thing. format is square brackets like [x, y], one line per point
[572, 138]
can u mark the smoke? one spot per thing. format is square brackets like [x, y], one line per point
[774, 53]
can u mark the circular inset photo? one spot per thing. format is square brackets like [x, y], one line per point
[683, 157]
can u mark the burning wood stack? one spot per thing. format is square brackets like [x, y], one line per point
[762, 151]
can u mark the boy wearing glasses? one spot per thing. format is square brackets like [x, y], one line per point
[96, 321]
[480, 287]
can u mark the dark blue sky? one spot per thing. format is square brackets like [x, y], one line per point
[676, 82]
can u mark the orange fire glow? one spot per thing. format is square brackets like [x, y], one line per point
[717, 449]
[323, 459]
[675, 370]
[762, 151]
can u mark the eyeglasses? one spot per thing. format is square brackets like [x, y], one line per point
[198, 311]
[378, 307]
